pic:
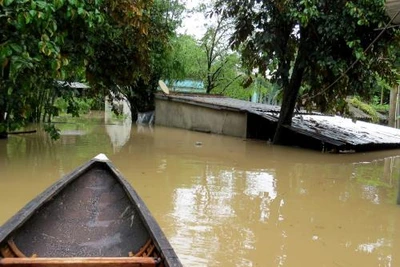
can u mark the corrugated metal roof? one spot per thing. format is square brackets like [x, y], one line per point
[354, 133]
[225, 102]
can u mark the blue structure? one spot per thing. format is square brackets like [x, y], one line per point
[186, 86]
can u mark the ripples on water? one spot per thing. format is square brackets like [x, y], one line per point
[224, 201]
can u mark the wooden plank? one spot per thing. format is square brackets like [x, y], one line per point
[80, 262]
[15, 249]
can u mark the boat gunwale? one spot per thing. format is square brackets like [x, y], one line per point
[168, 254]
[161, 242]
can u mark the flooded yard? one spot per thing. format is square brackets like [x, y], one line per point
[226, 201]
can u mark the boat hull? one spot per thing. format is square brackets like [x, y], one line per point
[91, 213]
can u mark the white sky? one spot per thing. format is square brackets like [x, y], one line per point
[193, 24]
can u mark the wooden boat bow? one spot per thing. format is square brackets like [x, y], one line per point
[90, 217]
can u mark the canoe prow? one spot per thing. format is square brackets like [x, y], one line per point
[101, 157]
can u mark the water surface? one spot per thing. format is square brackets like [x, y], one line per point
[225, 201]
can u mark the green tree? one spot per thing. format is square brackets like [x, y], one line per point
[187, 59]
[113, 42]
[208, 59]
[34, 40]
[229, 78]
[190, 61]
[165, 18]
[307, 45]
[137, 56]
[218, 55]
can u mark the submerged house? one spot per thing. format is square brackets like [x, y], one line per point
[243, 119]
[78, 87]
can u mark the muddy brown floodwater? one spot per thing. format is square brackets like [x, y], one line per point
[224, 201]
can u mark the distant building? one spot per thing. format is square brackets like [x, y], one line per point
[76, 85]
[186, 86]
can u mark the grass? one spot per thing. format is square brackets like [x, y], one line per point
[92, 117]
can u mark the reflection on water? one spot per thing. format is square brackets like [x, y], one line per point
[119, 133]
[370, 247]
[228, 202]
[119, 130]
[262, 185]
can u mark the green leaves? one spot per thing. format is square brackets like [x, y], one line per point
[17, 48]
[42, 41]
[35, 37]
[6, 2]
[52, 131]
[333, 36]
[305, 11]
[6, 51]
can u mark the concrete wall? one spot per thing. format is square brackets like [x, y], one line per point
[199, 118]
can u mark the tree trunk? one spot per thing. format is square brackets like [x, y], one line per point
[3, 134]
[392, 106]
[290, 93]
[134, 111]
[5, 74]
[396, 115]
[141, 97]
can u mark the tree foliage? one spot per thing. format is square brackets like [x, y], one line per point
[138, 56]
[34, 51]
[114, 44]
[307, 45]
[187, 59]
[221, 75]
[218, 55]
[207, 58]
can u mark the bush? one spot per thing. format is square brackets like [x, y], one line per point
[74, 105]
[369, 109]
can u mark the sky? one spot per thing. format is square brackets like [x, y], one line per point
[193, 24]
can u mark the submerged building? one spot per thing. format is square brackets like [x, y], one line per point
[227, 116]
